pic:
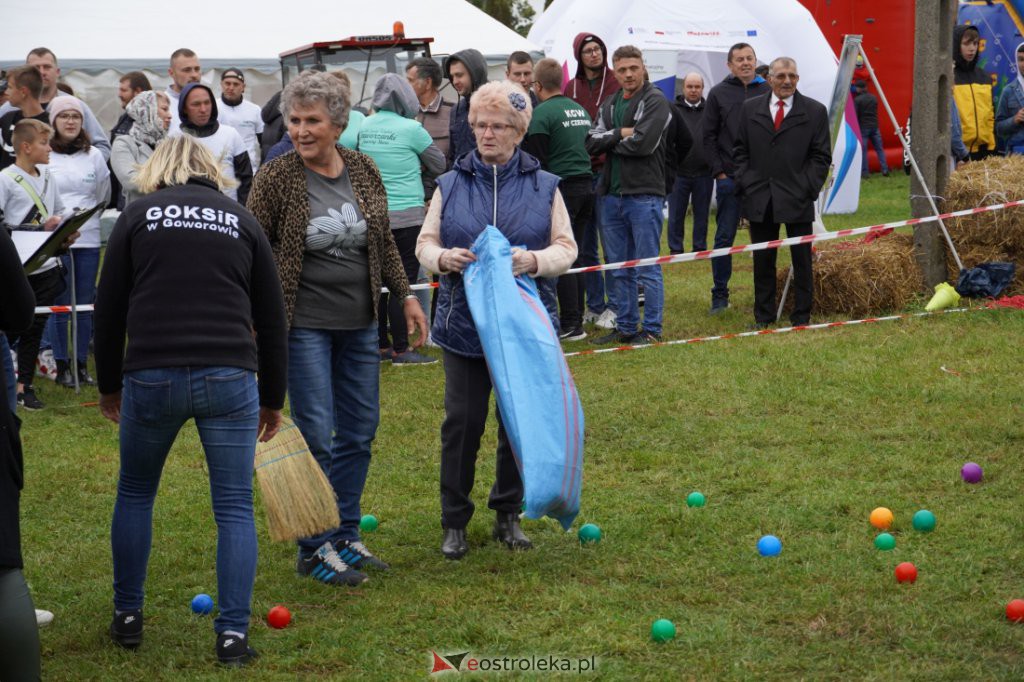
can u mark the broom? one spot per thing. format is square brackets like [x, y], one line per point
[299, 499]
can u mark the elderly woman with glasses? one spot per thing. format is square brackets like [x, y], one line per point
[325, 210]
[500, 185]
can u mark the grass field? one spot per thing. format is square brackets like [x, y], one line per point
[798, 435]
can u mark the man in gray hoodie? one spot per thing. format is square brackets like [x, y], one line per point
[467, 71]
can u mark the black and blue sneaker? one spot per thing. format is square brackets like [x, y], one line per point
[355, 554]
[233, 649]
[326, 566]
[126, 628]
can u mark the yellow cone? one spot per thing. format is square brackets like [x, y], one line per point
[945, 297]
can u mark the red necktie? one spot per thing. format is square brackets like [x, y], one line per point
[779, 115]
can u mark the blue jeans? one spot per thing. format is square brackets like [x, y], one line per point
[155, 403]
[631, 228]
[87, 264]
[334, 390]
[685, 191]
[598, 284]
[873, 136]
[8, 368]
[727, 219]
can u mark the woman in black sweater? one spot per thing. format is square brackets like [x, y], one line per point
[190, 279]
[19, 634]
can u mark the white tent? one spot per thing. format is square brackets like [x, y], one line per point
[98, 41]
[680, 36]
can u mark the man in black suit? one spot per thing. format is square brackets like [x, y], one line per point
[782, 152]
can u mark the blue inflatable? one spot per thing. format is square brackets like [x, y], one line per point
[535, 391]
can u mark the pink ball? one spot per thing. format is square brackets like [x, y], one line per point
[971, 472]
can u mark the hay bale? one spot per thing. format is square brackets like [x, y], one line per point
[991, 236]
[860, 279]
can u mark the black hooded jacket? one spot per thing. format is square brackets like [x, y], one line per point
[273, 124]
[223, 140]
[461, 138]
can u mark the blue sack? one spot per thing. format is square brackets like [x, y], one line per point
[536, 395]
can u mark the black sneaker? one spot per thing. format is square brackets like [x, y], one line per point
[126, 629]
[718, 307]
[574, 334]
[84, 378]
[648, 337]
[234, 650]
[614, 336]
[28, 399]
[326, 566]
[355, 554]
[64, 376]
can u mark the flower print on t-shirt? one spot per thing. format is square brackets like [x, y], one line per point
[337, 232]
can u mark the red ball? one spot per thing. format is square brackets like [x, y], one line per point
[1015, 610]
[906, 572]
[279, 617]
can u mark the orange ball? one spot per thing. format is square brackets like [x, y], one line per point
[881, 518]
[906, 572]
[1015, 610]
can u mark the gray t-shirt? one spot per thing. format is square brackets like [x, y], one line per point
[334, 287]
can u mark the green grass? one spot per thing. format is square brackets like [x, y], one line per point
[799, 435]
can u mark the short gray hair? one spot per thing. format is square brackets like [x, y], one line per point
[782, 61]
[311, 87]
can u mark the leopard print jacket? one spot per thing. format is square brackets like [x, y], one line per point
[280, 202]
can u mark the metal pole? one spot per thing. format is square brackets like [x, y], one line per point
[74, 323]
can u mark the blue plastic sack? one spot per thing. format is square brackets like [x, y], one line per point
[986, 280]
[536, 394]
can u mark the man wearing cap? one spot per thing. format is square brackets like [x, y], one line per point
[240, 113]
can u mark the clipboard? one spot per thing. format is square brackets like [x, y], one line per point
[36, 246]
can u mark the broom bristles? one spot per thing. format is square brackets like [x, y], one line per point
[297, 496]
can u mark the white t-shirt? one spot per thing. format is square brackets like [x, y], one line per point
[225, 144]
[83, 180]
[247, 120]
[175, 119]
[15, 202]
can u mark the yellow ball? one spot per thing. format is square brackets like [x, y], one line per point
[881, 518]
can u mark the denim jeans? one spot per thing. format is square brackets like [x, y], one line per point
[155, 403]
[631, 228]
[598, 284]
[8, 369]
[727, 220]
[873, 136]
[334, 391]
[684, 192]
[87, 264]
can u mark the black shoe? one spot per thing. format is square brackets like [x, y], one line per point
[760, 326]
[355, 554]
[507, 530]
[614, 336]
[234, 650]
[84, 378]
[126, 629]
[27, 399]
[718, 307]
[64, 376]
[648, 337]
[454, 546]
[574, 334]
[326, 566]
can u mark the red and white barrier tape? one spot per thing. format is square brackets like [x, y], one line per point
[880, 230]
[46, 309]
[764, 332]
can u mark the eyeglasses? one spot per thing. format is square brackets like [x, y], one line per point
[592, 50]
[496, 128]
[69, 116]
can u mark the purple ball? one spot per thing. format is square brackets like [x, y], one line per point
[971, 472]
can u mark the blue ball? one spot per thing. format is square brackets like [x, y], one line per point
[769, 545]
[202, 604]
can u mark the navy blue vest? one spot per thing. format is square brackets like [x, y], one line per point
[524, 197]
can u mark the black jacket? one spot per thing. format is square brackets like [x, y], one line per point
[786, 167]
[189, 278]
[694, 164]
[722, 113]
[16, 304]
[273, 124]
[642, 155]
[241, 162]
[460, 135]
[678, 143]
[866, 106]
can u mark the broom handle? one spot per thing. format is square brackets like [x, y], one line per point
[910, 155]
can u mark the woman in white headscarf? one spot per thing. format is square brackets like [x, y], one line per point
[151, 115]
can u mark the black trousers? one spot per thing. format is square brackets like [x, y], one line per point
[467, 391]
[46, 286]
[19, 633]
[391, 309]
[578, 195]
[765, 306]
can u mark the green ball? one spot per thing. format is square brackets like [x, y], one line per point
[589, 533]
[368, 523]
[663, 630]
[885, 542]
[924, 521]
[695, 499]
